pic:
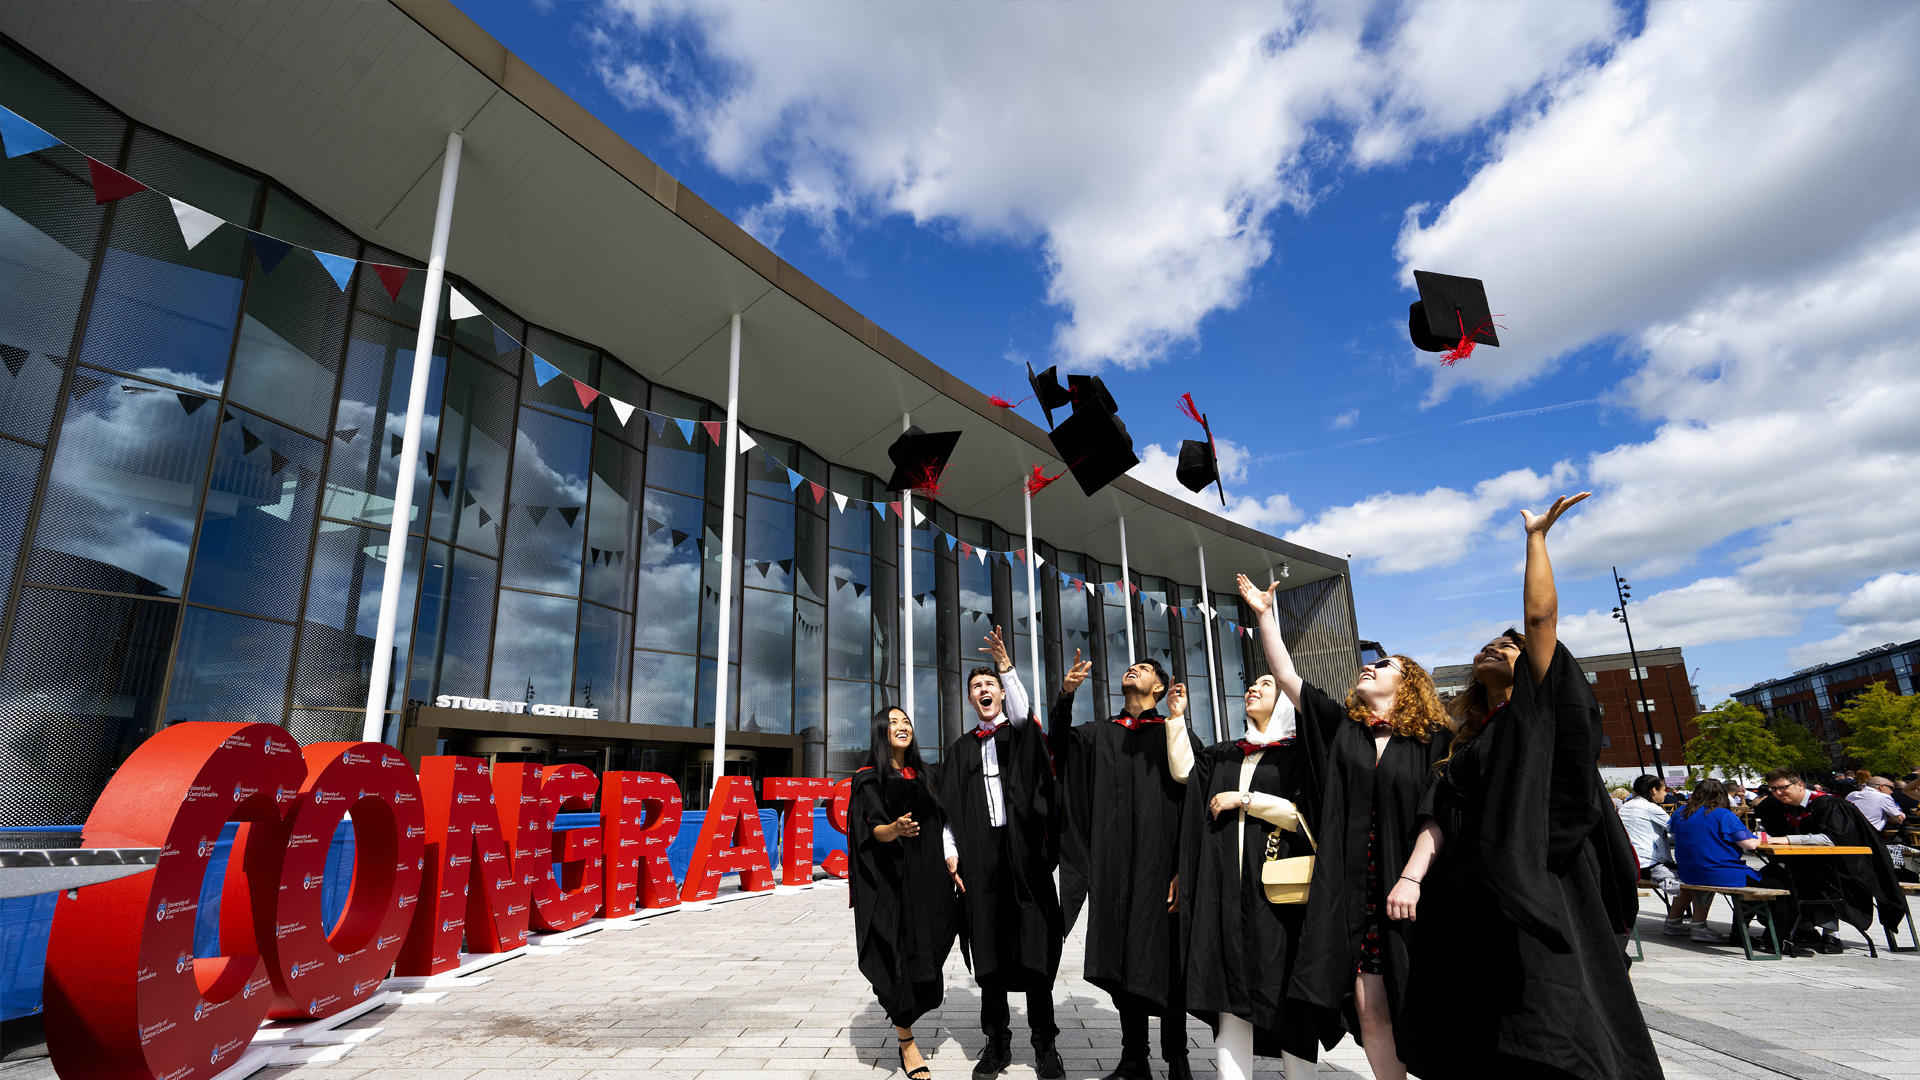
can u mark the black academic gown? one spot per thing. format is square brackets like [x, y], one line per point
[1354, 796]
[1123, 808]
[1517, 956]
[904, 911]
[1240, 951]
[1852, 885]
[1010, 921]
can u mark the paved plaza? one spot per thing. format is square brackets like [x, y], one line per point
[765, 988]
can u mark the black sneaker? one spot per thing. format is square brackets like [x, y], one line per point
[1129, 1069]
[994, 1059]
[1831, 945]
[1046, 1061]
[1177, 1070]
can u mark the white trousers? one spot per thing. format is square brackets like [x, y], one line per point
[1233, 1048]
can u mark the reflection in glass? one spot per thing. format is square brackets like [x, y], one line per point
[124, 488]
[613, 523]
[1233, 665]
[850, 708]
[546, 523]
[372, 418]
[1075, 604]
[343, 610]
[809, 672]
[230, 668]
[533, 648]
[295, 323]
[455, 624]
[809, 555]
[469, 467]
[49, 231]
[767, 648]
[676, 456]
[19, 473]
[575, 361]
[769, 543]
[252, 551]
[663, 688]
[600, 673]
[850, 617]
[668, 601]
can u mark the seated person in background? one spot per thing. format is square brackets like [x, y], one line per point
[1736, 795]
[1707, 844]
[1646, 824]
[1846, 886]
[1908, 794]
[1875, 802]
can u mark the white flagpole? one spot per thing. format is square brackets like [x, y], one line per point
[906, 589]
[732, 470]
[1039, 693]
[1213, 673]
[373, 729]
[1126, 592]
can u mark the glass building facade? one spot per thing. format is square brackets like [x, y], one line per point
[199, 457]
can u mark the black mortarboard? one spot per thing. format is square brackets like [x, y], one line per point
[1450, 309]
[919, 457]
[1088, 392]
[1048, 391]
[1095, 445]
[1198, 467]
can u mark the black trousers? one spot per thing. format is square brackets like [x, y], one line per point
[1133, 1029]
[994, 1016]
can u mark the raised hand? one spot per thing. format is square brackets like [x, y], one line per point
[1540, 523]
[1077, 673]
[1177, 700]
[904, 825]
[997, 649]
[1260, 600]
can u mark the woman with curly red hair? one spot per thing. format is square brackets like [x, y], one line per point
[1371, 758]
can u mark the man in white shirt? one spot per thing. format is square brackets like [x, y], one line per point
[1645, 819]
[1875, 802]
[1001, 845]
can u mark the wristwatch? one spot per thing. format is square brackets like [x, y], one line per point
[1246, 799]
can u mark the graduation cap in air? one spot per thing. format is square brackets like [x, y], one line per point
[1048, 391]
[919, 458]
[1199, 465]
[1093, 441]
[1451, 316]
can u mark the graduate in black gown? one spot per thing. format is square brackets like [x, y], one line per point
[996, 787]
[1244, 800]
[1371, 760]
[1518, 966]
[1827, 888]
[904, 911]
[1123, 805]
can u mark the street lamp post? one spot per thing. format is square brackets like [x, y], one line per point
[1624, 593]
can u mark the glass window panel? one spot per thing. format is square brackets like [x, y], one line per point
[49, 234]
[617, 381]
[495, 338]
[533, 648]
[47, 99]
[252, 551]
[663, 688]
[613, 522]
[1229, 648]
[575, 361]
[976, 609]
[850, 617]
[926, 712]
[768, 642]
[295, 322]
[230, 668]
[810, 673]
[343, 611]
[703, 707]
[81, 688]
[1077, 632]
[601, 674]
[469, 466]
[455, 624]
[769, 543]
[676, 457]
[159, 310]
[767, 471]
[926, 638]
[546, 528]
[710, 588]
[125, 487]
[19, 475]
[884, 600]
[668, 597]
[365, 452]
[809, 555]
[850, 704]
[851, 528]
[370, 293]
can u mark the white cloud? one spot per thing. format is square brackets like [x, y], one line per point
[1143, 149]
[1727, 144]
[1701, 612]
[1157, 466]
[1400, 533]
[1885, 609]
[1344, 420]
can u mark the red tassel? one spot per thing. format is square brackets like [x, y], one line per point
[929, 483]
[1464, 350]
[1039, 480]
[1000, 402]
[1188, 410]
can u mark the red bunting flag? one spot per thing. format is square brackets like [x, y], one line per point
[713, 430]
[819, 492]
[393, 277]
[587, 394]
[1021, 554]
[966, 548]
[110, 183]
[895, 507]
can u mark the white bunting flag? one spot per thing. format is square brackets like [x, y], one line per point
[747, 443]
[620, 408]
[982, 552]
[840, 501]
[459, 307]
[1039, 559]
[918, 517]
[195, 224]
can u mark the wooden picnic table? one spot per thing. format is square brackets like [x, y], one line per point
[1811, 849]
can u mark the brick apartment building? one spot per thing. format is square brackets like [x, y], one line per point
[1624, 712]
[1814, 694]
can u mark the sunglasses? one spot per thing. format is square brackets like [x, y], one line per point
[1382, 664]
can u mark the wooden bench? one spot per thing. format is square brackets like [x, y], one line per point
[1747, 903]
[1907, 888]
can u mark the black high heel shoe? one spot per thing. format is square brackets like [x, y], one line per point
[924, 1072]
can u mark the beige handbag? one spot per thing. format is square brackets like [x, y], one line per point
[1286, 880]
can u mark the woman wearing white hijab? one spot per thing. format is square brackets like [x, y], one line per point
[1243, 799]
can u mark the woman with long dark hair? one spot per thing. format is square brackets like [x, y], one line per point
[1523, 915]
[1708, 842]
[904, 915]
[1370, 758]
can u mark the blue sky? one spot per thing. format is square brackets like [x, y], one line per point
[1699, 222]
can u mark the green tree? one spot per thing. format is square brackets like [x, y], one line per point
[1883, 730]
[1805, 752]
[1734, 740]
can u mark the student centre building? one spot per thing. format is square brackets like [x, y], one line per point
[200, 436]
